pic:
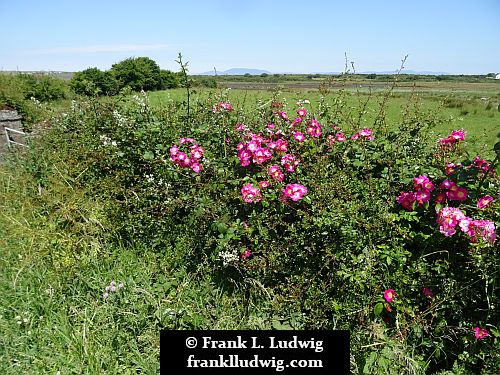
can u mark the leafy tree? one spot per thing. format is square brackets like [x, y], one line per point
[169, 80]
[93, 81]
[138, 73]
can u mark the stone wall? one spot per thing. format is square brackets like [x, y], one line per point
[10, 119]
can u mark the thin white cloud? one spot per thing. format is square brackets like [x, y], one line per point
[102, 48]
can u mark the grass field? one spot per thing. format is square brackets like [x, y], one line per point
[474, 107]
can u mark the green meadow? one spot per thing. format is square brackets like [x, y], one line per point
[473, 107]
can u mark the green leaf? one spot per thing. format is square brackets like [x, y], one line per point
[382, 362]
[221, 227]
[437, 353]
[148, 155]
[367, 369]
[378, 308]
[357, 163]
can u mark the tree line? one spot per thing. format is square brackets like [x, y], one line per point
[137, 73]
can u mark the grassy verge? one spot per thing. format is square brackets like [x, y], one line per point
[53, 315]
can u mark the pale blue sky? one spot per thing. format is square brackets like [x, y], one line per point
[279, 36]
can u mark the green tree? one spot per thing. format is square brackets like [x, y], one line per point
[93, 81]
[138, 73]
[169, 80]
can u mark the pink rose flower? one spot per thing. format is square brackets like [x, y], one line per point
[480, 333]
[389, 295]
[246, 254]
[484, 202]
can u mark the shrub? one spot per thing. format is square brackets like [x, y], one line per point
[42, 87]
[139, 73]
[93, 81]
[209, 82]
[16, 91]
[169, 80]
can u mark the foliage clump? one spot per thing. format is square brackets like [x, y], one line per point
[134, 73]
[29, 94]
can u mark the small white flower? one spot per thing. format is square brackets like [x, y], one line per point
[228, 257]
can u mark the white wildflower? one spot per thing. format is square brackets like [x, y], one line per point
[120, 119]
[228, 257]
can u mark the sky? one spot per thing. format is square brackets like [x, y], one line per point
[460, 37]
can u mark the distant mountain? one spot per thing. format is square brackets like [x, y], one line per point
[236, 72]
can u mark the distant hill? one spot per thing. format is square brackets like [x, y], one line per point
[236, 72]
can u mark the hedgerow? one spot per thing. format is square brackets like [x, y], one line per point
[381, 230]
